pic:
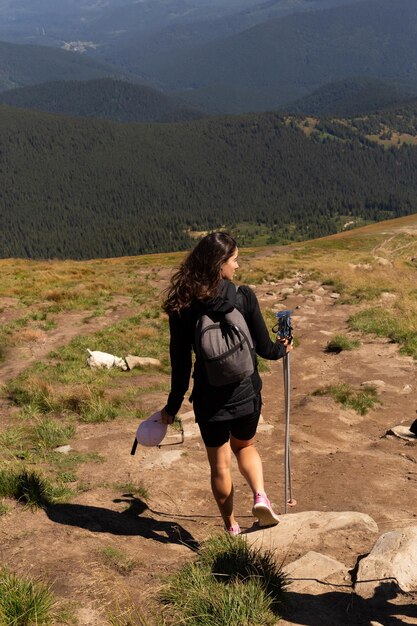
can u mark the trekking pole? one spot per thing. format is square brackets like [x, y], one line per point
[284, 331]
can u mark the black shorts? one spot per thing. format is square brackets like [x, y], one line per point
[216, 434]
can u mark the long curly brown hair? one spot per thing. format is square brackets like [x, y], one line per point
[199, 275]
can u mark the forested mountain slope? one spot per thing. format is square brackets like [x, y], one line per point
[27, 65]
[139, 37]
[102, 98]
[353, 96]
[86, 188]
[278, 61]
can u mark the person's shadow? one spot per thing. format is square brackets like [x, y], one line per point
[346, 608]
[131, 521]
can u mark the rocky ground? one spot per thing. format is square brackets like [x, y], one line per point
[352, 483]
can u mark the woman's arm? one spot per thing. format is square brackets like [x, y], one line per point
[180, 349]
[265, 347]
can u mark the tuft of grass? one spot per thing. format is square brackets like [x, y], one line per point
[30, 488]
[365, 293]
[49, 433]
[24, 602]
[129, 615]
[118, 560]
[133, 489]
[11, 438]
[229, 583]
[4, 509]
[33, 393]
[97, 409]
[396, 325]
[335, 283]
[361, 400]
[25, 486]
[338, 343]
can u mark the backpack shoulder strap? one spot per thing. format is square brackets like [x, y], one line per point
[240, 302]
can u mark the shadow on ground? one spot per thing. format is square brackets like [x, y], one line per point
[130, 522]
[338, 608]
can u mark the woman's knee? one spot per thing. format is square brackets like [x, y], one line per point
[238, 444]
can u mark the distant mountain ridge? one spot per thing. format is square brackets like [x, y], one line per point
[22, 65]
[50, 22]
[277, 62]
[133, 48]
[104, 98]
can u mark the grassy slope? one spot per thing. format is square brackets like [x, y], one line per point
[55, 397]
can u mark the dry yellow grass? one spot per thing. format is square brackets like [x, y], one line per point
[375, 265]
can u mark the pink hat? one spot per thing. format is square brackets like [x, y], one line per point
[151, 431]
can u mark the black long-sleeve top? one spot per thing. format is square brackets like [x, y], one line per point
[214, 403]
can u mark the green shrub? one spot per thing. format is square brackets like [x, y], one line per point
[25, 486]
[49, 434]
[361, 400]
[341, 342]
[384, 323]
[29, 488]
[24, 602]
[228, 585]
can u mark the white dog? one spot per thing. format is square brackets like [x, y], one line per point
[101, 360]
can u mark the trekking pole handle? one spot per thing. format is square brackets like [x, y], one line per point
[283, 327]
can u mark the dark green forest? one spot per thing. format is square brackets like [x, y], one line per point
[353, 96]
[283, 59]
[78, 188]
[28, 65]
[105, 98]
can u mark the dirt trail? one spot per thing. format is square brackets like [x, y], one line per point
[340, 460]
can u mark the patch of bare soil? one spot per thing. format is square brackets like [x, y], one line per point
[68, 325]
[340, 461]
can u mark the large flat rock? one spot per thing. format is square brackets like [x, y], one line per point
[336, 534]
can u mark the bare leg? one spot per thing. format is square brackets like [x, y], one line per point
[250, 466]
[221, 481]
[249, 463]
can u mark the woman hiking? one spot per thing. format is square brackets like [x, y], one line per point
[227, 414]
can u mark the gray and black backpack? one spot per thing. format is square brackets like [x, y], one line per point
[224, 347]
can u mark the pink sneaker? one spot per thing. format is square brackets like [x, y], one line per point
[234, 530]
[262, 509]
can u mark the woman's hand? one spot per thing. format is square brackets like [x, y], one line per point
[288, 343]
[166, 418]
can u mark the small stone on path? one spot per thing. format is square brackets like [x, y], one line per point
[379, 384]
[63, 449]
